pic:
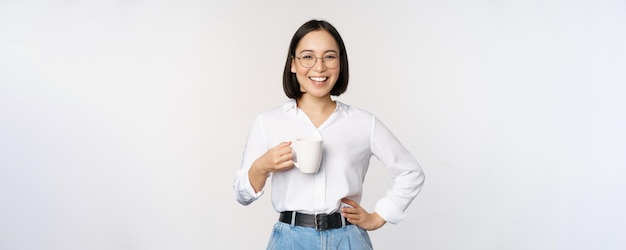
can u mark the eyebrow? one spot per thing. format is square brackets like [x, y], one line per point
[311, 51]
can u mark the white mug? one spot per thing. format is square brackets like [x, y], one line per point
[307, 154]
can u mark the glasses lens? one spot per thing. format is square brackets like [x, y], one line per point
[307, 60]
[331, 61]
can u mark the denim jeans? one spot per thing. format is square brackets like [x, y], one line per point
[288, 237]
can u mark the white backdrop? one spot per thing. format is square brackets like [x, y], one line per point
[122, 122]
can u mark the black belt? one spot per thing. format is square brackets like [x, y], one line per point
[319, 221]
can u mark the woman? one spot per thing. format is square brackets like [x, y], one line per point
[321, 210]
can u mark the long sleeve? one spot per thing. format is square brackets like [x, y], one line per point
[407, 175]
[256, 146]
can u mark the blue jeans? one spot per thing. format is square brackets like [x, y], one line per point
[288, 237]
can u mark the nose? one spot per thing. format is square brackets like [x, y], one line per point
[319, 66]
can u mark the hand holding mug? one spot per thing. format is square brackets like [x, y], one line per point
[276, 159]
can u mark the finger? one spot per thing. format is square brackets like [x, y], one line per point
[283, 144]
[283, 150]
[286, 165]
[280, 155]
[286, 157]
[350, 213]
[349, 210]
[351, 217]
[354, 218]
[352, 203]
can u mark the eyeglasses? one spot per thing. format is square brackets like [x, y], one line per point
[331, 61]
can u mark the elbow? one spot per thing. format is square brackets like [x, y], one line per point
[244, 202]
[245, 199]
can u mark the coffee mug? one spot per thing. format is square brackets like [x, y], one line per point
[307, 154]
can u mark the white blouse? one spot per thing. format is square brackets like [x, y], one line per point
[351, 136]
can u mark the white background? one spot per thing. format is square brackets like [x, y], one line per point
[122, 123]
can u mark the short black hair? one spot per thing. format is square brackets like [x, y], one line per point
[290, 82]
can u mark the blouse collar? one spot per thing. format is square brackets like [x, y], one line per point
[291, 105]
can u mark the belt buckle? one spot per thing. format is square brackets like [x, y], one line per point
[321, 222]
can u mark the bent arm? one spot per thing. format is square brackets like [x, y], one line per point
[408, 177]
[249, 184]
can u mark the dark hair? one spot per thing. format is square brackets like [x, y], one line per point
[290, 82]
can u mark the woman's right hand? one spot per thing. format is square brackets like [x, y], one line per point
[276, 159]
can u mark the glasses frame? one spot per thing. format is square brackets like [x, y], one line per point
[314, 63]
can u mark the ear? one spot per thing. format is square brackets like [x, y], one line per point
[293, 64]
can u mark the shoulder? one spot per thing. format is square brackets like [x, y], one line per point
[354, 111]
[279, 110]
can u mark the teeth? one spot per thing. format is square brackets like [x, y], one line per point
[318, 79]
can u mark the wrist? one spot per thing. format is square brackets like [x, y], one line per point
[256, 170]
[379, 220]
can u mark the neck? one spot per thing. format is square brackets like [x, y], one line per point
[315, 105]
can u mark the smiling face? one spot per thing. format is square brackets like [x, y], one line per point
[318, 80]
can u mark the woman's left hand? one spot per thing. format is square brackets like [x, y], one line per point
[358, 216]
